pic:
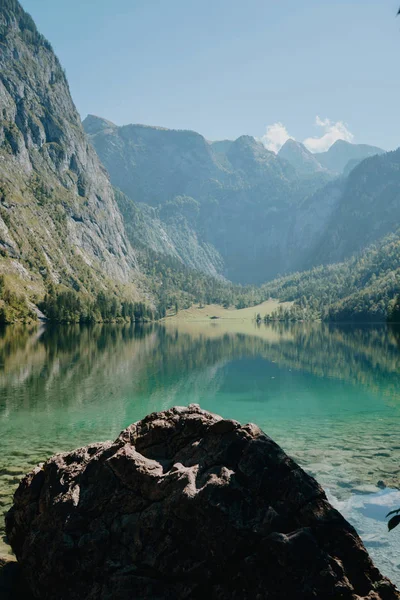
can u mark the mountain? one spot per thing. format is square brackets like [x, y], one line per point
[302, 159]
[221, 146]
[234, 208]
[340, 159]
[362, 288]
[341, 153]
[59, 221]
[224, 206]
[367, 209]
[350, 213]
[350, 244]
[175, 208]
[170, 231]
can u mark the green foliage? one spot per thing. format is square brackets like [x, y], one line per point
[13, 306]
[362, 288]
[181, 206]
[178, 286]
[297, 312]
[12, 137]
[5, 215]
[10, 10]
[394, 311]
[40, 189]
[68, 306]
[174, 284]
[367, 210]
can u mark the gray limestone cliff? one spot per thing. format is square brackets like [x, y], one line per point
[59, 220]
[225, 206]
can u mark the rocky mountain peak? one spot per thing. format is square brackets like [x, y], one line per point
[342, 152]
[59, 215]
[93, 124]
[292, 144]
[301, 158]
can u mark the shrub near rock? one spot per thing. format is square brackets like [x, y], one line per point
[185, 504]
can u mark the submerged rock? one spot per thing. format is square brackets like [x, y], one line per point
[185, 504]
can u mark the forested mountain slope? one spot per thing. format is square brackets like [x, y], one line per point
[232, 200]
[364, 287]
[236, 209]
[185, 208]
[367, 210]
[59, 220]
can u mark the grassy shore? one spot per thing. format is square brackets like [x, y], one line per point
[211, 312]
[213, 321]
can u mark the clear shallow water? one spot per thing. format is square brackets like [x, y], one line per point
[330, 396]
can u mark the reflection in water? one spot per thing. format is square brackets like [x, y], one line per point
[367, 514]
[329, 395]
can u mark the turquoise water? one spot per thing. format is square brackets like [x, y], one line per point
[330, 396]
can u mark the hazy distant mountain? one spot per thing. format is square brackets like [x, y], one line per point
[341, 157]
[302, 159]
[368, 209]
[242, 196]
[222, 146]
[228, 208]
[341, 153]
[236, 204]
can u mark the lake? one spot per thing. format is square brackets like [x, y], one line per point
[329, 395]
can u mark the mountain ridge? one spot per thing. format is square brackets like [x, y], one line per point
[59, 221]
[243, 191]
[300, 157]
[342, 152]
[229, 209]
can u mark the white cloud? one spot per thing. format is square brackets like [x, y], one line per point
[275, 136]
[332, 133]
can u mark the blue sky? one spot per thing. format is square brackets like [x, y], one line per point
[230, 67]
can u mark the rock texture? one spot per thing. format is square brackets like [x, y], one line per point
[253, 215]
[185, 504]
[224, 207]
[58, 213]
[302, 159]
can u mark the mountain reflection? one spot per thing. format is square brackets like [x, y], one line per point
[328, 394]
[36, 362]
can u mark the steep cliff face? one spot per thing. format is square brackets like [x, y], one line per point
[301, 158]
[171, 230]
[254, 214]
[59, 221]
[240, 196]
[152, 164]
[367, 209]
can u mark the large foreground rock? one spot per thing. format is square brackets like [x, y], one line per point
[185, 504]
